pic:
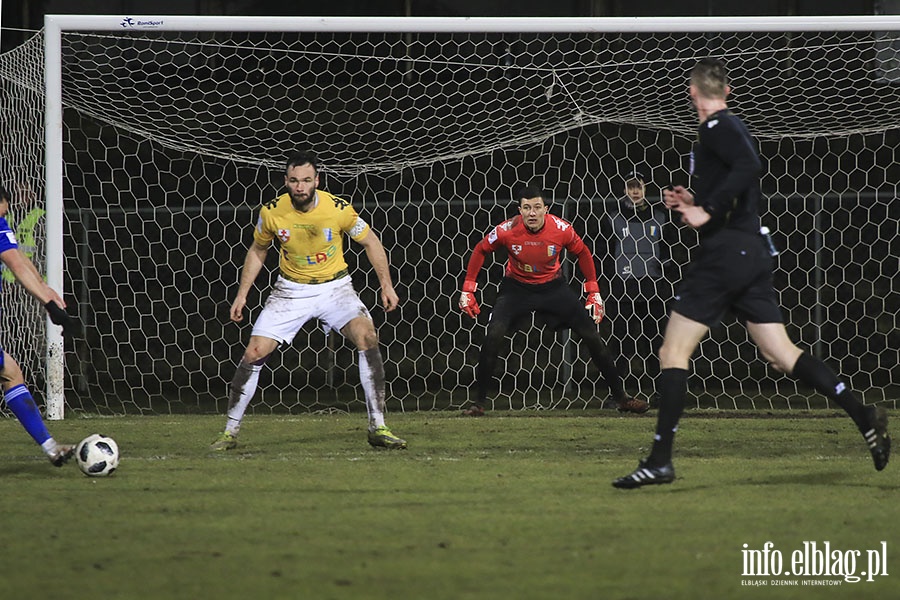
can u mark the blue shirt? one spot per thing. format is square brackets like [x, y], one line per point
[7, 242]
[7, 238]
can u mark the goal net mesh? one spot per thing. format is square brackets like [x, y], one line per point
[172, 141]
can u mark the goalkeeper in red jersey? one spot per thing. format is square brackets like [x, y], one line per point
[533, 284]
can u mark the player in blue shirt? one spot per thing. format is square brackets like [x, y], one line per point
[12, 382]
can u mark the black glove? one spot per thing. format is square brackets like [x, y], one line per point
[60, 317]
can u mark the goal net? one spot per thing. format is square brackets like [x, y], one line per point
[174, 130]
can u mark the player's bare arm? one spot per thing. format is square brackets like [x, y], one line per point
[379, 261]
[27, 275]
[33, 282]
[253, 264]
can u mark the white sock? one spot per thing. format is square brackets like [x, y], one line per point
[50, 446]
[240, 393]
[374, 396]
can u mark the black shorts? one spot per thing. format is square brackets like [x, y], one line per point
[554, 303]
[732, 272]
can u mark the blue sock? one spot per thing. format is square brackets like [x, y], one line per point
[20, 402]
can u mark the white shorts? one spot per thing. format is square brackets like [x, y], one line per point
[291, 305]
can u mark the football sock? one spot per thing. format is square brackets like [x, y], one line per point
[371, 375]
[672, 388]
[487, 359]
[21, 403]
[50, 446]
[240, 392]
[815, 373]
[602, 359]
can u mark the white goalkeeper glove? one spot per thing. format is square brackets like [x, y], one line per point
[467, 302]
[594, 302]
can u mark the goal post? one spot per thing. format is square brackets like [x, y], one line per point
[431, 121]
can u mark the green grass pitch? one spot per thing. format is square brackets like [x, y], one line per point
[509, 506]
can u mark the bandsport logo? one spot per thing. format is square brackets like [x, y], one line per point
[131, 23]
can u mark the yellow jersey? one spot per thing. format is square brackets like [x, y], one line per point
[311, 247]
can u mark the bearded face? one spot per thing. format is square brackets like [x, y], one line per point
[301, 182]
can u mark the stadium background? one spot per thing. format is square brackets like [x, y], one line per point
[187, 348]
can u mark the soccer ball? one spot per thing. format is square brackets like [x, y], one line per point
[97, 455]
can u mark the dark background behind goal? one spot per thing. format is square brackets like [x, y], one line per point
[156, 237]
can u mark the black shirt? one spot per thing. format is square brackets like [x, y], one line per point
[725, 170]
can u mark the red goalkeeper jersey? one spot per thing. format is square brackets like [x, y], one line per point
[533, 256]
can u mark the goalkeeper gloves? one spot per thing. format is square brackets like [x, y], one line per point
[467, 302]
[594, 303]
[60, 317]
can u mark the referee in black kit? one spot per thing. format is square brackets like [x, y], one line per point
[732, 270]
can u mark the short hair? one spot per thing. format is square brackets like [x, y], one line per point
[301, 158]
[529, 191]
[4, 195]
[710, 77]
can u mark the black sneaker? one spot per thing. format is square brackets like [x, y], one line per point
[645, 475]
[877, 437]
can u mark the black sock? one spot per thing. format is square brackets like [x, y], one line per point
[487, 359]
[672, 388]
[814, 372]
[604, 362]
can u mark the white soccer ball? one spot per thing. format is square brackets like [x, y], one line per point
[97, 455]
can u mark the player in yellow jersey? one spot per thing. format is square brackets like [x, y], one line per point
[313, 283]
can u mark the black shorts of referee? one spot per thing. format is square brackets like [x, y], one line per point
[554, 304]
[731, 271]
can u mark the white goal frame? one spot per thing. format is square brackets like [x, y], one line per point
[55, 25]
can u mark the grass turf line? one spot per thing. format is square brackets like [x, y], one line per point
[514, 505]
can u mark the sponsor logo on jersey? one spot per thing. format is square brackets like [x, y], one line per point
[329, 235]
[320, 257]
[551, 250]
[284, 235]
[528, 268]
